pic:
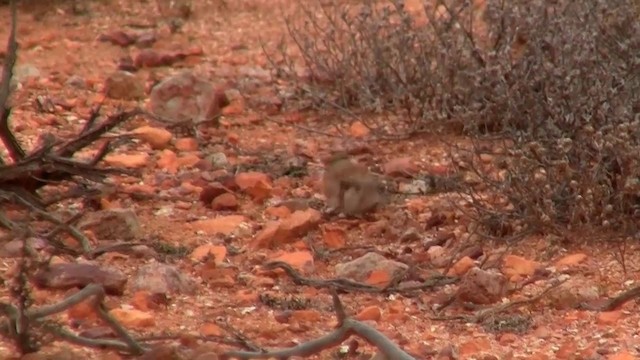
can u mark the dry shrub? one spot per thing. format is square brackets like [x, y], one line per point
[550, 89]
[375, 56]
[565, 112]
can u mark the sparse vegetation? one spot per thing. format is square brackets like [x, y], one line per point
[548, 93]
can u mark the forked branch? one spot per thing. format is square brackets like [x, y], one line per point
[39, 315]
[346, 327]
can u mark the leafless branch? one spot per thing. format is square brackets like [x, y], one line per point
[40, 314]
[346, 327]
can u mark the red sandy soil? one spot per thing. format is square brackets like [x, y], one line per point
[62, 44]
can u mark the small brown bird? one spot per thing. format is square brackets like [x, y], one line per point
[350, 187]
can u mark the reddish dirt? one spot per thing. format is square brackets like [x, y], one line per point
[61, 44]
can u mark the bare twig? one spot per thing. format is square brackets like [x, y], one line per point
[10, 142]
[305, 128]
[82, 240]
[92, 290]
[354, 286]
[346, 327]
[481, 315]
[616, 302]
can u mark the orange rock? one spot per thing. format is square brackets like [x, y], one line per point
[508, 338]
[372, 313]
[286, 230]
[141, 300]
[378, 278]
[189, 188]
[266, 237]
[140, 188]
[128, 161]
[518, 266]
[571, 260]
[186, 144]
[402, 166]
[609, 317]
[257, 185]
[249, 179]
[218, 252]
[219, 277]
[82, 311]
[278, 211]
[221, 225]
[300, 245]
[188, 160]
[334, 237]
[211, 329]
[300, 260]
[438, 169]
[397, 318]
[157, 138]
[134, 318]
[226, 201]
[168, 160]
[300, 222]
[358, 129]
[145, 301]
[462, 266]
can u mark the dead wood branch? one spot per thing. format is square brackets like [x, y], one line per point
[15, 150]
[206, 338]
[82, 240]
[240, 338]
[354, 286]
[301, 127]
[117, 247]
[54, 163]
[616, 302]
[39, 316]
[346, 327]
[90, 134]
[483, 314]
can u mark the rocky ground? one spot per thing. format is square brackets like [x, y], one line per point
[210, 207]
